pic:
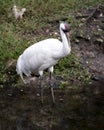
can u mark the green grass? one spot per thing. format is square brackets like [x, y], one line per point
[15, 36]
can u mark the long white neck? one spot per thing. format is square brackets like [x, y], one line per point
[66, 43]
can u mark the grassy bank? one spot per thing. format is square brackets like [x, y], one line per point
[16, 35]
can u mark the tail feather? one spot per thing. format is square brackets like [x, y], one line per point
[20, 69]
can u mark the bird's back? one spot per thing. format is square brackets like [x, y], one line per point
[48, 45]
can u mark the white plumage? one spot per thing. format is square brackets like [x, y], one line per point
[18, 13]
[44, 54]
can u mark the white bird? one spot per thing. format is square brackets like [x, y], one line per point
[44, 54]
[18, 13]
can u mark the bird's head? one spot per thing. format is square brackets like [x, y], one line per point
[23, 10]
[65, 27]
[14, 8]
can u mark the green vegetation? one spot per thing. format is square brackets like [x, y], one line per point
[16, 35]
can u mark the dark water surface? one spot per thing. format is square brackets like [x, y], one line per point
[75, 109]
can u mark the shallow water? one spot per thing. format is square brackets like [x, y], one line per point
[75, 109]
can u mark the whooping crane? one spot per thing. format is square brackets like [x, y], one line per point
[44, 55]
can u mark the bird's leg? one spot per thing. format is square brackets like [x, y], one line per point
[51, 85]
[21, 75]
[41, 88]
